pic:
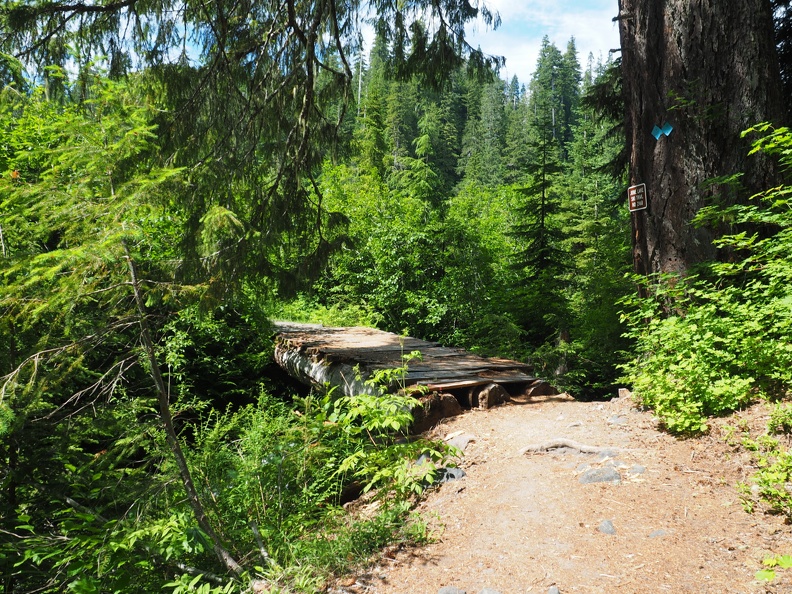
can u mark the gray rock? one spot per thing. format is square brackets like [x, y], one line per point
[617, 420]
[489, 591]
[450, 590]
[554, 590]
[460, 441]
[446, 475]
[582, 467]
[607, 474]
[637, 469]
[657, 533]
[605, 454]
[607, 527]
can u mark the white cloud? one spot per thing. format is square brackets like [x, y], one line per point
[526, 22]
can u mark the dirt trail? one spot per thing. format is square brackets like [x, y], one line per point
[523, 523]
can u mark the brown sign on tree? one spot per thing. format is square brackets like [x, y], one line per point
[637, 197]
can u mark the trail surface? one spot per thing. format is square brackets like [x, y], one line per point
[522, 523]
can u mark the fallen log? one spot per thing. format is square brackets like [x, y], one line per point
[346, 357]
[312, 371]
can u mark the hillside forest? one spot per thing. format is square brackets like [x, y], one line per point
[171, 181]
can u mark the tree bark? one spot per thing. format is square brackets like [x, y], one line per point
[709, 68]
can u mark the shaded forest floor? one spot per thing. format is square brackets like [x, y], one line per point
[525, 522]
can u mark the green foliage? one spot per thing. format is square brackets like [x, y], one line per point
[767, 490]
[384, 418]
[187, 583]
[573, 248]
[415, 269]
[218, 357]
[225, 176]
[529, 272]
[694, 363]
[769, 484]
[277, 468]
[96, 500]
[284, 469]
[773, 564]
[70, 388]
[252, 98]
[308, 309]
[780, 418]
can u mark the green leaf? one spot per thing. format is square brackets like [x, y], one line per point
[784, 561]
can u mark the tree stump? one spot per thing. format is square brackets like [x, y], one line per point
[432, 409]
[488, 396]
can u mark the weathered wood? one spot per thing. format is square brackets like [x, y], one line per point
[316, 354]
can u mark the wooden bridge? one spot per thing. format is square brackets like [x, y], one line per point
[345, 357]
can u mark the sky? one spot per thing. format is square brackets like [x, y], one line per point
[526, 22]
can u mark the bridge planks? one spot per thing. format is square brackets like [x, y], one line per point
[440, 368]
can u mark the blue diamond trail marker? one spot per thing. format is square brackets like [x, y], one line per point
[665, 130]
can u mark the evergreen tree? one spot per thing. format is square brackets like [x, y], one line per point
[445, 110]
[517, 153]
[371, 145]
[254, 98]
[597, 240]
[539, 257]
[569, 79]
[482, 142]
[555, 87]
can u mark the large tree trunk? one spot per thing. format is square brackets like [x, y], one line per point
[709, 68]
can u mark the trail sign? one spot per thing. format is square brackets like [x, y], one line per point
[636, 196]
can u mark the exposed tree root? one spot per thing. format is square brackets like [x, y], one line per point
[561, 442]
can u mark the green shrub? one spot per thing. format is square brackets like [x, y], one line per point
[780, 419]
[770, 482]
[695, 361]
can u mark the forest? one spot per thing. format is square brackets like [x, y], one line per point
[175, 176]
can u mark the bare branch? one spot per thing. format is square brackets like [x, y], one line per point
[170, 432]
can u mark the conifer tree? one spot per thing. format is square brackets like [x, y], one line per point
[482, 144]
[517, 153]
[555, 87]
[704, 98]
[570, 78]
[371, 146]
[597, 241]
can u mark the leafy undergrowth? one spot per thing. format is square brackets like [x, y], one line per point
[272, 475]
[767, 439]
[768, 489]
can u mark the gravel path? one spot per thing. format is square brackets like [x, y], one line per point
[643, 513]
